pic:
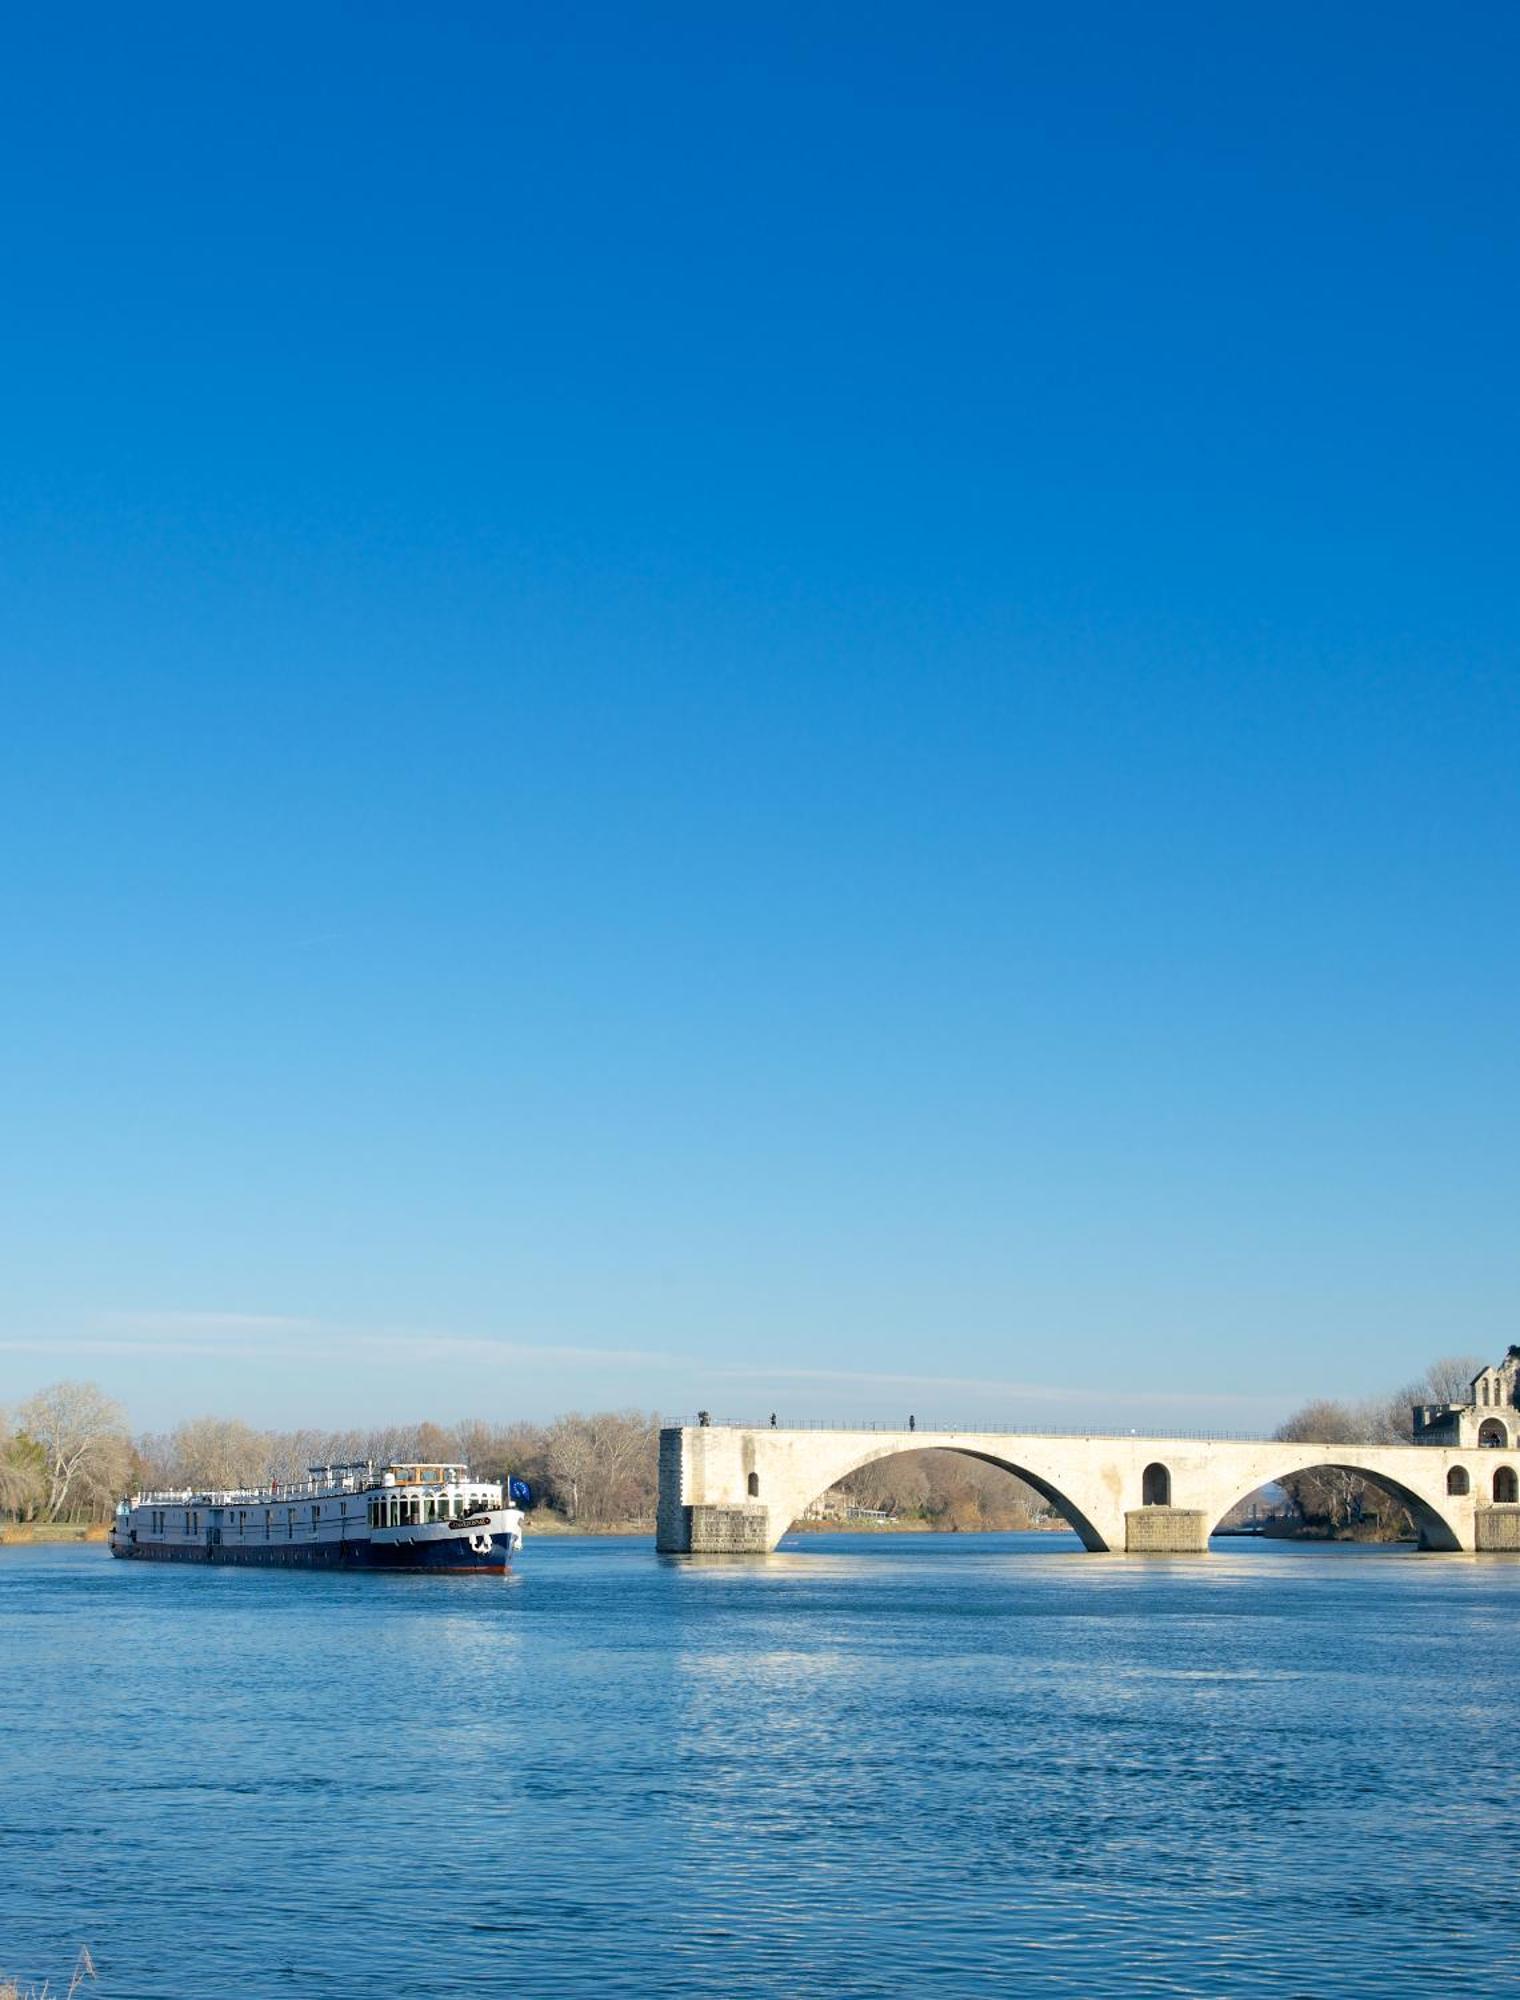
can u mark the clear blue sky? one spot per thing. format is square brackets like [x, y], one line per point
[758, 706]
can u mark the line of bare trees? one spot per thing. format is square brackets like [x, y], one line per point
[66, 1455]
[941, 1489]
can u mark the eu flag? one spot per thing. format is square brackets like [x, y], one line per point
[519, 1492]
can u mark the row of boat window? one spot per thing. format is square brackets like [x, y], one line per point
[394, 1510]
[402, 1510]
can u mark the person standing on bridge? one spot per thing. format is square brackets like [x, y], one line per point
[913, 1423]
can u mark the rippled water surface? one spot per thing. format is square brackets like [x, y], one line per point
[874, 1765]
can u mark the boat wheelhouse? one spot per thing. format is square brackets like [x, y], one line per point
[407, 1516]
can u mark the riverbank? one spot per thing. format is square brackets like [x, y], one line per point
[545, 1523]
[1372, 1533]
[21, 1532]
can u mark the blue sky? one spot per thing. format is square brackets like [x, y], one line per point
[767, 707]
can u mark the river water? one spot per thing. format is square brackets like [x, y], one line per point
[867, 1766]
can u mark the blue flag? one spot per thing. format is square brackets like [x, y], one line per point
[519, 1493]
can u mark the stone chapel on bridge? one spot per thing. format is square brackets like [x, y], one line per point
[1490, 1416]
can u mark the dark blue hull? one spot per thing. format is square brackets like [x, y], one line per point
[453, 1557]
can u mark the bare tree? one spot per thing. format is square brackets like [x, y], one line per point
[604, 1467]
[217, 1455]
[1450, 1379]
[496, 1451]
[81, 1433]
[944, 1488]
[1332, 1497]
[23, 1485]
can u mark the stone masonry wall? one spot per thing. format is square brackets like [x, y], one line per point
[729, 1531]
[1166, 1531]
[1497, 1528]
[672, 1528]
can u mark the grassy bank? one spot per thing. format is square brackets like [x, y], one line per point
[546, 1523]
[17, 1533]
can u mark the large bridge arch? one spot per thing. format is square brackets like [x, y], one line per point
[1438, 1522]
[1054, 1495]
[736, 1489]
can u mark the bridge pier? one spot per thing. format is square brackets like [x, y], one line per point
[1166, 1531]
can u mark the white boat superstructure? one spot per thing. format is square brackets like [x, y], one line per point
[411, 1516]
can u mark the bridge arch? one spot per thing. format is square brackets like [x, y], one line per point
[1077, 1518]
[1436, 1529]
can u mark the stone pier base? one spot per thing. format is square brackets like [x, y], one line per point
[1496, 1528]
[729, 1531]
[1166, 1531]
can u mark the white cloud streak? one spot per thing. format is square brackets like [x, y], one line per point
[249, 1335]
[207, 1322]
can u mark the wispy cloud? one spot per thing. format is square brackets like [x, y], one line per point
[1036, 1392]
[505, 1347]
[62, 1344]
[206, 1322]
[226, 1334]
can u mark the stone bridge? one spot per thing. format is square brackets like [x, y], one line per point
[729, 1489]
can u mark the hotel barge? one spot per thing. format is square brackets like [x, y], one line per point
[402, 1517]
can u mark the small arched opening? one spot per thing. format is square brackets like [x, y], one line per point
[1156, 1486]
[1506, 1486]
[754, 1486]
[1492, 1434]
[1457, 1482]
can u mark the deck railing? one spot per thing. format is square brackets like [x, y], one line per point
[980, 1429]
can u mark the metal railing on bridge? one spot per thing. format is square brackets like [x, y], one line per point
[703, 1420]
